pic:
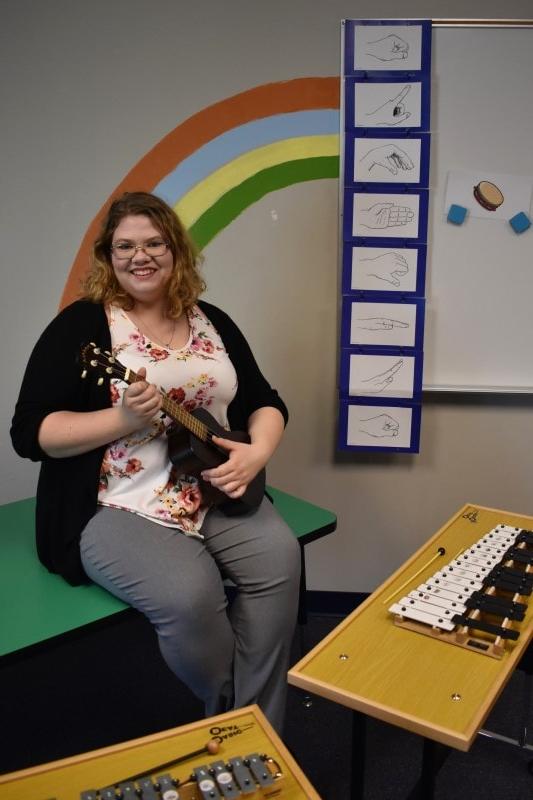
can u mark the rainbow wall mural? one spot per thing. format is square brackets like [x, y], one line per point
[223, 159]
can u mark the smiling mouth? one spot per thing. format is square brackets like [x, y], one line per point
[142, 272]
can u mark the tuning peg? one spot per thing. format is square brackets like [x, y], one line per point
[111, 359]
[84, 373]
[109, 370]
[97, 351]
[100, 381]
[94, 363]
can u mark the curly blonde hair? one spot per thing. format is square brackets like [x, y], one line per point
[186, 283]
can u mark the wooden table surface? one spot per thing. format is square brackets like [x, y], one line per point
[422, 684]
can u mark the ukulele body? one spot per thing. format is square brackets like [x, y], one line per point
[189, 446]
[192, 455]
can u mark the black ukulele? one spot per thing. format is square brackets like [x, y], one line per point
[190, 445]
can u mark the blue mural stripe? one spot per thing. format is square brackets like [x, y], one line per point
[230, 145]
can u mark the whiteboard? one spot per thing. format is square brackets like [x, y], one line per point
[479, 286]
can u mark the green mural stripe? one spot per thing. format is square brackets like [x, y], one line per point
[236, 200]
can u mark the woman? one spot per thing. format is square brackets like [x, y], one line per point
[111, 507]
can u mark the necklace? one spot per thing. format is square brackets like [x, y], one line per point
[159, 339]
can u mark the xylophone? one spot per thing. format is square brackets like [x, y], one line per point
[419, 682]
[254, 775]
[477, 600]
[147, 768]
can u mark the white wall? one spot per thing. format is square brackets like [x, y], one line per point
[87, 89]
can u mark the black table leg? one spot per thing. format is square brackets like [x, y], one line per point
[302, 603]
[434, 755]
[302, 599]
[358, 755]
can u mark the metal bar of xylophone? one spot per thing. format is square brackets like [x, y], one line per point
[254, 775]
[479, 597]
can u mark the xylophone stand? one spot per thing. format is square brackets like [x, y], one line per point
[521, 741]
[526, 710]
[434, 755]
[357, 781]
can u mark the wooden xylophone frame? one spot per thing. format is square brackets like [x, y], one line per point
[469, 632]
[463, 638]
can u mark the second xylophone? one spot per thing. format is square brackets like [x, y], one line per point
[479, 599]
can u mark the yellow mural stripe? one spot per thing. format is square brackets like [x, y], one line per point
[201, 197]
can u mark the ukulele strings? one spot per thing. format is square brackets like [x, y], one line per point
[199, 429]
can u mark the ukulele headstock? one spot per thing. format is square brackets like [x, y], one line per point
[104, 363]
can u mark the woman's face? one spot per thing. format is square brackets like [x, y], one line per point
[143, 276]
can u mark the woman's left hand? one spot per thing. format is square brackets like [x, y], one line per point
[244, 462]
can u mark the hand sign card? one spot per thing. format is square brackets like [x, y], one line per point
[387, 46]
[394, 104]
[387, 105]
[385, 159]
[377, 374]
[383, 324]
[384, 269]
[378, 215]
[379, 427]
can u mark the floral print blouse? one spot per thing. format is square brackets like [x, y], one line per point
[136, 473]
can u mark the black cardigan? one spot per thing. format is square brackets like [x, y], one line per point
[67, 489]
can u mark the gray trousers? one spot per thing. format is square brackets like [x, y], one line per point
[228, 656]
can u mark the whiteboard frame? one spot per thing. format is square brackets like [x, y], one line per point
[464, 389]
[437, 389]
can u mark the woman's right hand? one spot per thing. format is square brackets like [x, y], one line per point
[141, 401]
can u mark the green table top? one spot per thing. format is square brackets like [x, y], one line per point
[307, 521]
[36, 605]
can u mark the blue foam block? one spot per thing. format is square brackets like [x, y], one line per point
[457, 214]
[520, 222]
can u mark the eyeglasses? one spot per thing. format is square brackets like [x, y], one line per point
[154, 248]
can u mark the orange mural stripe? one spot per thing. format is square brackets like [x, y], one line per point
[300, 94]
